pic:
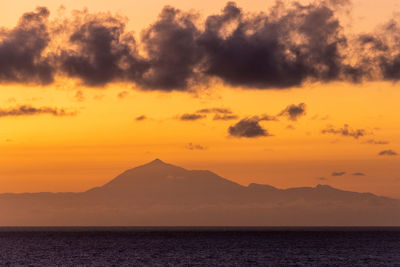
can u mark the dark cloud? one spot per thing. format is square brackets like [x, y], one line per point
[249, 128]
[381, 51]
[266, 50]
[191, 117]
[322, 178]
[279, 49]
[22, 58]
[219, 114]
[345, 131]
[224, 114]
[293, 112]
[388, 152]
[257, 50]
[173, 52]
[376, 142]
[100, 52]
[26, 110]
[338, 173]
[358, 174]
[141, 118]
[192, 146]
[374, 42]
[215, 110]
[275, 49]
[225, 117]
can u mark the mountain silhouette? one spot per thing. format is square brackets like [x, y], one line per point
[159, 182]
[159, 193]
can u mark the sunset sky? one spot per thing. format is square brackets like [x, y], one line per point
[303, 95]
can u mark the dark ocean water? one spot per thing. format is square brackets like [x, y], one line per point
[199, 246]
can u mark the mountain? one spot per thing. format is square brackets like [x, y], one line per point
[159, 182]
[158, 193]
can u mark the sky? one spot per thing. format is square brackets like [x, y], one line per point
[287, 94]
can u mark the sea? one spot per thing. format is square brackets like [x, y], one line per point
[199, 246]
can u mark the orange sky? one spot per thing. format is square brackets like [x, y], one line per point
[75, 153]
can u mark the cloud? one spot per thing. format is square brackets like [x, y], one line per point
[191, 117]
[261, 52]
[318, 117]
[240, 49]
[141, 118]
[21, 50]
[123, 94]
[26, 110]
[215, 110]
[345, 131]
[223, 114]
[293, 112]
[264, 117]
[173, 52]
[275, 49]
[192, 146]
[219, 114]
[388, 152]
[376, 142]
[326, 117]
[380, 51]
[249, 128]
[98, 51]
[225, 117]
[338, 173]
[79, 96]
[322, 178]
[358, 174]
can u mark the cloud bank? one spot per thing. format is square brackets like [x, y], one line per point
[276, 49]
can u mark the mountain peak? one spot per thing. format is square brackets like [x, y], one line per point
[158, 164]
[157, 161]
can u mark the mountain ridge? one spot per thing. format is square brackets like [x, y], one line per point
[158, 193]
[157, 163]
